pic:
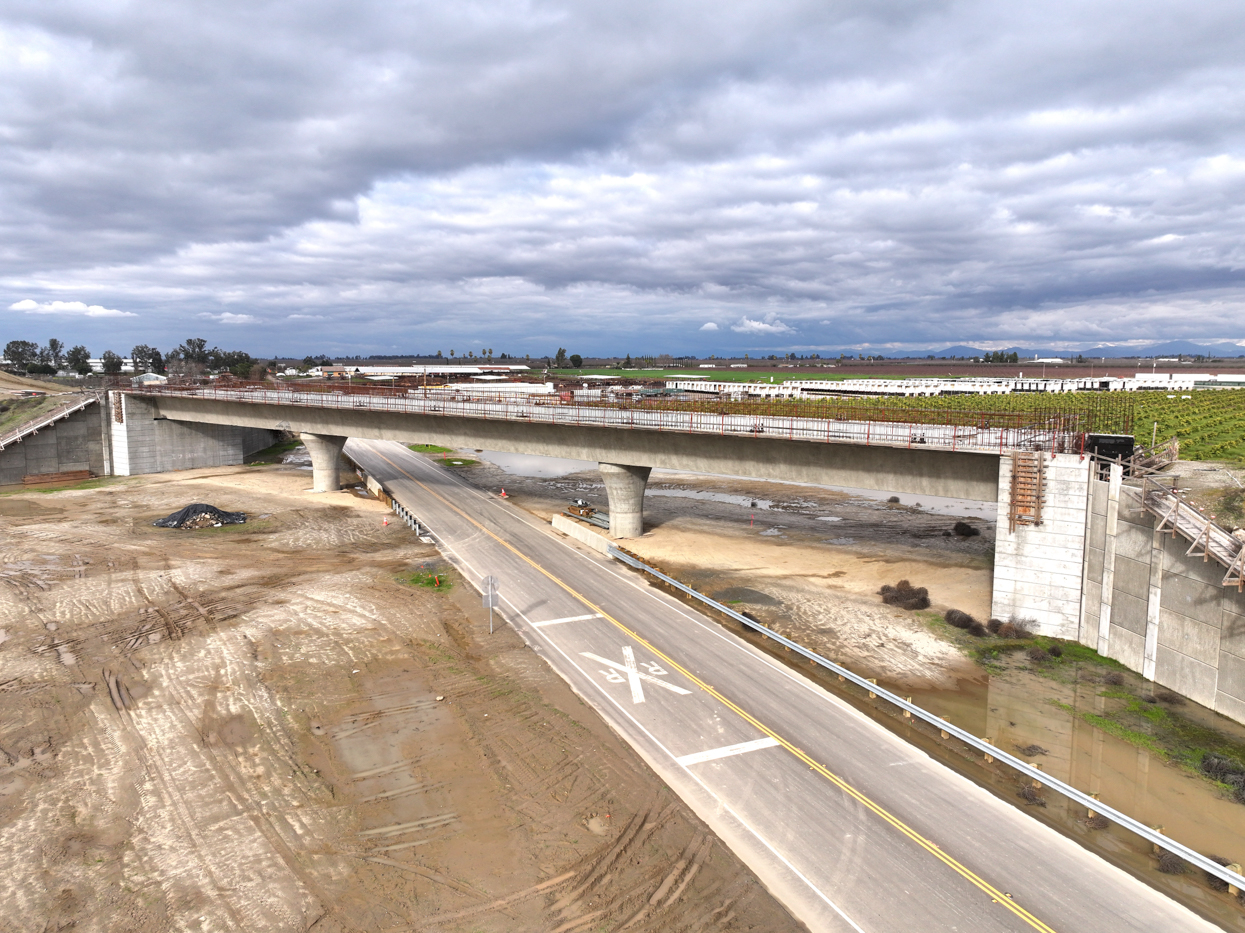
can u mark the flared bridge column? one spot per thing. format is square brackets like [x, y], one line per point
[326, 458]
[624, 486]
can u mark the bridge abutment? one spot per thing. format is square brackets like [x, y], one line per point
[624, 485]
[326, 458]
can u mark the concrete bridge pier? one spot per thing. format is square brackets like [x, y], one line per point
[624, 485]
[326, 458]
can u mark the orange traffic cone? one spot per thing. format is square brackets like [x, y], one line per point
[503, 494]
[386, 521]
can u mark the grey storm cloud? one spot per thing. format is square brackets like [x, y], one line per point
[799, 174]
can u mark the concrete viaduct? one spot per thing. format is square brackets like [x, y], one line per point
[626, 452]
[1037, 572]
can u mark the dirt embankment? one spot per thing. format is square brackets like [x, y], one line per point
[259, 728]
[12, 383]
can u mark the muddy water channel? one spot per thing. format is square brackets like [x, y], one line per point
[1103, 731]
[1044, 721]
[1090, 725]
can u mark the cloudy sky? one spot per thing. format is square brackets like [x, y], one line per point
[610, 176]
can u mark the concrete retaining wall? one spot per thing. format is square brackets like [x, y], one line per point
[1156, 610]
[581, 533]
[76, 443]
[143, 442]
[1038, 569]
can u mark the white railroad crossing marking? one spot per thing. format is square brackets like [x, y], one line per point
[629, 672]
[726, 751]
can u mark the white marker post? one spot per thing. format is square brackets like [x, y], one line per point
[489, 600]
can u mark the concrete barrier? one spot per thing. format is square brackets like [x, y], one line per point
[581, 533]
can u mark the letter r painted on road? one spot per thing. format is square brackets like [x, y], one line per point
[629, 672]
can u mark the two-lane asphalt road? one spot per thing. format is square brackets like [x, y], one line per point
[852, 828]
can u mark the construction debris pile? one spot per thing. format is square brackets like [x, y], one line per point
[200, 515]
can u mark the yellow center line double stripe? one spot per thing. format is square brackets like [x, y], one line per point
[979, 882]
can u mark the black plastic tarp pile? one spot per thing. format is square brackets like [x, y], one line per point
[200, 515]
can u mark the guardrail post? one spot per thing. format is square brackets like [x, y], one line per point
[1037, 785]
[907, 714]
[872, 695]
[943, 732]
[989, 758]
[1233, 889]
[1158, 849]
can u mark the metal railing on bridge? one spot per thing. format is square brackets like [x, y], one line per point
[1209, 540]
[50, 417]
[952, 429]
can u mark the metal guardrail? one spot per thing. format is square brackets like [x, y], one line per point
[37, 424]
[1053, 435]
[594, 519]
[1115, 816]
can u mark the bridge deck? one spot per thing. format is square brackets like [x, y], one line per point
[1050, 436]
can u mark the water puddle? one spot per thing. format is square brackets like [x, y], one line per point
[871, 498]
[938, 505]
[299, 458]
[532, 465]
[743, 501]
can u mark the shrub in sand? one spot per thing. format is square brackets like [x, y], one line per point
[965, 530]
[1028, 793]
[1225, 770]
[1055, 651]
[993, 626]
[1013, 629]
[977, 630]
[1114, 679]
[1166, 696]
[958, 619]
[904, 595]
[1022, 627]
[1097, 821]
[1171, 864]
[1038, 655]
[1216, 883]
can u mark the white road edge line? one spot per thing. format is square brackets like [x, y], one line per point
[726, 751]
[659, 745]
[594, 615]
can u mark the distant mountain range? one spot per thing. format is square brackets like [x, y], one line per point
[1170, 348]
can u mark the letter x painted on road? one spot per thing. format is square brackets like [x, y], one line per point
[633, 674]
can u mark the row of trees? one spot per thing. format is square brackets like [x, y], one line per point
[27, 356]
[191, 358]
